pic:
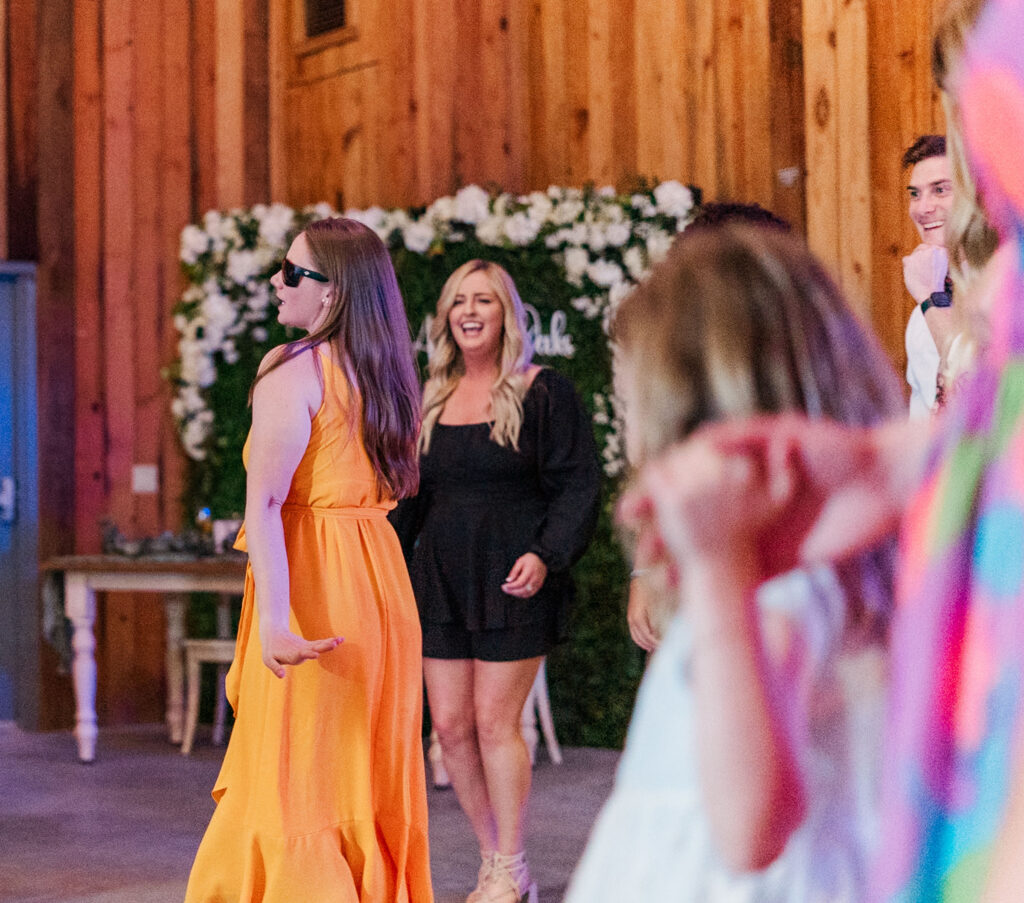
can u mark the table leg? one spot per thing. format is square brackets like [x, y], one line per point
[80, 608]
[175, 606]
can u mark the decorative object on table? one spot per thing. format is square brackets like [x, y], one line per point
[225, 532]
[192, 543]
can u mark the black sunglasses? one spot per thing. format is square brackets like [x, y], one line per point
[292, 275]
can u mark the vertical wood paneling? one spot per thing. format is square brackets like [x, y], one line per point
[822, 129]
[230, 101]
[119, 305]
[89, 433]
[204, 107]
[151, 321]
[22, 127]
[854, 167]
[256, 99]
[707, 162]
[435, 47]
[55, 330]
[787, 108]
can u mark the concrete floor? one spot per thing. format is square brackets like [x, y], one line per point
[124, 829]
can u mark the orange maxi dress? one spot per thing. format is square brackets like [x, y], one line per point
[321, 796]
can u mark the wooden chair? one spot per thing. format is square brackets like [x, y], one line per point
[219, 651]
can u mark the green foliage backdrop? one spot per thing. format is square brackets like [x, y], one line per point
[573, 254]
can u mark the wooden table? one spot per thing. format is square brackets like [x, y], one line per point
[175, 578]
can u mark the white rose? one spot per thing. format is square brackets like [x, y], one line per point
[617, 234]
[472, 205]
[673, 199]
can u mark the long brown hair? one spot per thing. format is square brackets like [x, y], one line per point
[367, 326]
[446, 366]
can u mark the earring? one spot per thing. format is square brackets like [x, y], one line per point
[325, 302]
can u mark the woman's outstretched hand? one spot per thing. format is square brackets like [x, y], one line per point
[282, 647]
[526, 577]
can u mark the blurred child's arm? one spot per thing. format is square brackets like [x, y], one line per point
[709, 510]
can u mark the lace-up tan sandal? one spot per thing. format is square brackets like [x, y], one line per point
[507, 881]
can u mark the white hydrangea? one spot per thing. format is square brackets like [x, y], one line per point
[658, 243]
[605, 273]
[441, 211]
[635, 263]
[567, 211]
[242, 265]
[418, 236]
[617, 234]
[673, 199]
[194, 243]
[575, 261]
[472, 205]
[371, 217]
[323, 210]
[589, 307]
[491, 231]
[643, 205]
[276, 221]
[521, 229]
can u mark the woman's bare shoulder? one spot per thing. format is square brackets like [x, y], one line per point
[284, 371]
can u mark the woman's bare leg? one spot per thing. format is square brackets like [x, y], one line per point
[499, 693]
[450, 692]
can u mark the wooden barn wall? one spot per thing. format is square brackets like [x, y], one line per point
[167, 108]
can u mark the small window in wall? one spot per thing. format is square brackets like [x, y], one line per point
[323, 16]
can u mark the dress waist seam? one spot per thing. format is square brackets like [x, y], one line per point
[349, 511]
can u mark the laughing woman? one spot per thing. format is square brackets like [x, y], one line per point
[508, 500]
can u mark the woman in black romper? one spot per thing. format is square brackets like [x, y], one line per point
[509, 493]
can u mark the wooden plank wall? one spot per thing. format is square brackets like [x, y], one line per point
[180, 106]
[433, 95]
[167, 115]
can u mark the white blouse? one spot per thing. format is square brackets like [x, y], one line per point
[652, 842]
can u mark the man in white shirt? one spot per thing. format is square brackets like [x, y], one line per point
[926, 269]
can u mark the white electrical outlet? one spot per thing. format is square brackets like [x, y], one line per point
[145, 479]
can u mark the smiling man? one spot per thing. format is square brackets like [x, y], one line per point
[926, 269]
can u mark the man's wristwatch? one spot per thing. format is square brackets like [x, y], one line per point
[936, 299]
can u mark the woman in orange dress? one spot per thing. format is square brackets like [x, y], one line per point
[322, 796]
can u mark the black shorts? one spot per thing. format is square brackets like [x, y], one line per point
[505, 644]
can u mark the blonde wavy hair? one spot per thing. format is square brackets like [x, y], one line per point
[446, 366]
[970, 238]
